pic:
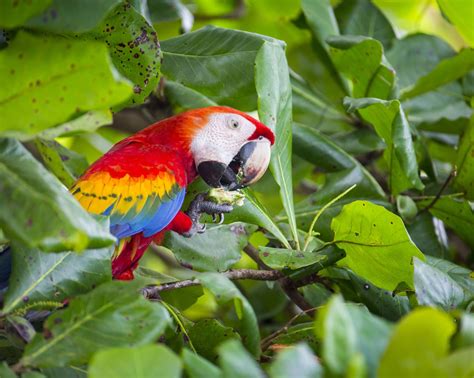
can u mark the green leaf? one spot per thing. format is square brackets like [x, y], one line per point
[30, 194]
[5, 371]
[225, 291]
[52, 79]
[457, 13]
[373, 236]
[207, 334]
[95, 321]
[54, 276]
[183, 98]
[215, 250]
[320, 18]
[406, 207]
[225, 62]
[464, 180]
[181, 298]
[428, 234]
[15, 13]
[362, 61]
[311, 108]
[85, 123]
[139, 362]
[171, 10]
[342, 171]
[390, 123]
[360, 17]
[465, 335]
[416, 56]
[457, 215]
[65, 164]
[378, 301]
[435, 288]
[457, 364]
[198, 367]
[296, 361]
[299, 333]
[274, 109]
[236, 362]
[373, 334]
[134, 48]
[459, 274]
[281, 258]
[417, 344]
[73, 16]
[447, 70]
[334, 326]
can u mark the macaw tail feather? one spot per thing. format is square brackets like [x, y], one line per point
[127, 254]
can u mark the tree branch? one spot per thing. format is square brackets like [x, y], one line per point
[238, 274]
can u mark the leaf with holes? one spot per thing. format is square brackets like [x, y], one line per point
[52, 79]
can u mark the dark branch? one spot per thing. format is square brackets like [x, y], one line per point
[440, 192]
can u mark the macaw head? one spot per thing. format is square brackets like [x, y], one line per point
[230, 148]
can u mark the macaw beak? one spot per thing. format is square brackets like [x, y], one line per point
[246, 168]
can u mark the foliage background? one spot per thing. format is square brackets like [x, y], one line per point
[374, 96]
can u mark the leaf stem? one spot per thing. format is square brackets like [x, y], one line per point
[320, 212]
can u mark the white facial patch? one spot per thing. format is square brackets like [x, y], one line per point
[221, 139]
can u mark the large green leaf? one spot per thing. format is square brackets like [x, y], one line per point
[361, 59]
[464, 180]
[30, 195]
[320, 18]
[447, 70]
[52, 79]
[201, 252]
[417, 344]
[219, 63]
[139, 362]
[461, 275]
[236, 362]
[65, 164]
[338, 334]
[458, 13]
[390, 123]
[361, 17]
[54, 276]
[457, 215]
[15, 13]
[225, 291]
[377, 245]
[171, 10]
[296, 361]
[435, 288]
[95, 321]
[273, 87]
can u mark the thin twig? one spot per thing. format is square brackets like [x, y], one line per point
[440, 192]
[238, 274]
[267, 341]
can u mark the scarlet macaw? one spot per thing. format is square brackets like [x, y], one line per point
[141, 182]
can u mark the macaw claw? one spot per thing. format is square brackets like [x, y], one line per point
[201, 205]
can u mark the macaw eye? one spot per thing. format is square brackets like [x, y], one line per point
[234, 124]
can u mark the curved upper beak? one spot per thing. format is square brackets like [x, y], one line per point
[247, 167]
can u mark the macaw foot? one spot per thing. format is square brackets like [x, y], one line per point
[201, 205]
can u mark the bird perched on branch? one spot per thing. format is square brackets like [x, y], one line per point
[141, 182]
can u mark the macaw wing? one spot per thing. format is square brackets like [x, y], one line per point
[141, 188]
